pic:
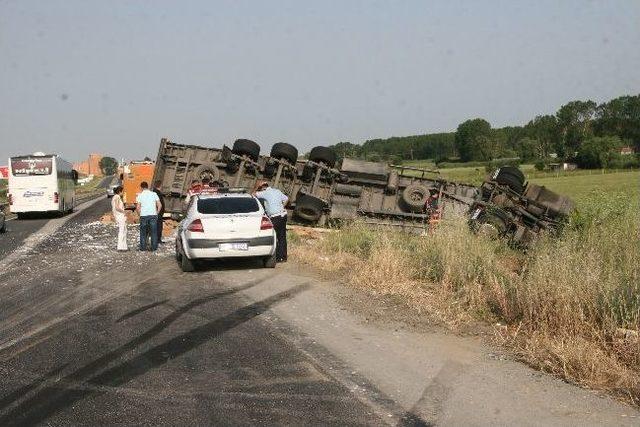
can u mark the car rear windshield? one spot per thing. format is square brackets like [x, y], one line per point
[228, 205]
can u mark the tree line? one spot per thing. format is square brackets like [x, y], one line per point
[584, 132]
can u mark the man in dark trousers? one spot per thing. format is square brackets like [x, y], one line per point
[156, 189]
[274, 203]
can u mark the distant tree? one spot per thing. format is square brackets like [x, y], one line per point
[108, 165]
[528, 149]
[575, 120]
[598, 152]
[347, 149]
[470, 135]
[620, 117]
[546, 132]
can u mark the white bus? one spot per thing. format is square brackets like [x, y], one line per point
[41, 183]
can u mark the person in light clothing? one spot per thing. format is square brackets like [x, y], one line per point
[274, 203]
[117, 208]
[148, 205]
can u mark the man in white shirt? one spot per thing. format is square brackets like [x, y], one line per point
[148, 205]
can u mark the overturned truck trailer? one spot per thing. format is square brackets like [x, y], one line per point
[319, 189]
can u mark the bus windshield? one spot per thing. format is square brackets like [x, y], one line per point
[31, 166]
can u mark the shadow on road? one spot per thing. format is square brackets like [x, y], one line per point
[52, 399]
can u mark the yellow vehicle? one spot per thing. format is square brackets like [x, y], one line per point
[133, 174]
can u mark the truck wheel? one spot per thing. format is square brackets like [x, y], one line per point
[510, 176]
[269, 262]
[414, 197]
[282, 150]
[511, 181]
[308, 172]
[323, 155]
[309, 207]
[207, 171]
[270, 170]
[246, 147]
[491, 225]
[512, 170]
[186, 264]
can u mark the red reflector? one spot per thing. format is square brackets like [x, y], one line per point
[266, 223]
[196, 226]
[56, 197]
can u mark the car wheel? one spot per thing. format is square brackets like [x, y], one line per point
[269, 262]
[186, 264]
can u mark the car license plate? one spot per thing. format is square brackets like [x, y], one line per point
[233, 247]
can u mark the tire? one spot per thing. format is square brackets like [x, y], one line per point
[510, 176]
[186, 264]
[282, 150]
[323, 155]
[308, 173]
[270, 170]
[492, 225]
[348, 190]
[309, 208]
[269, 262]
[207, 171]
[511, 181]
[246, 147]
[414, 197]
[512, 170]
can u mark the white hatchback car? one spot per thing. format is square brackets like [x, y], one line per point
[225, 225]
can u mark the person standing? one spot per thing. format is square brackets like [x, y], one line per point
[117, 208]
[274, 205]
[160, 222]
[148, 205]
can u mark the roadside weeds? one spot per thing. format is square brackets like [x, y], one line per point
[569, 307]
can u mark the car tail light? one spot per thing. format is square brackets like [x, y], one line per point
[10, 197]
[266, 223]
[196, 226]
[56, 197]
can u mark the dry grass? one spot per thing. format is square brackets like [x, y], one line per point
[562, 303]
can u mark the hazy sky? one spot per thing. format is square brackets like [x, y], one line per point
[114, 76]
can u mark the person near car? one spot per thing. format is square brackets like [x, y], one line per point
[117, 208]
[160, 224]
[148, 205]
[274, 205]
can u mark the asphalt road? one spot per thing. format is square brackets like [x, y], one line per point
[89, 336]
[191, 352]
[19, 230]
